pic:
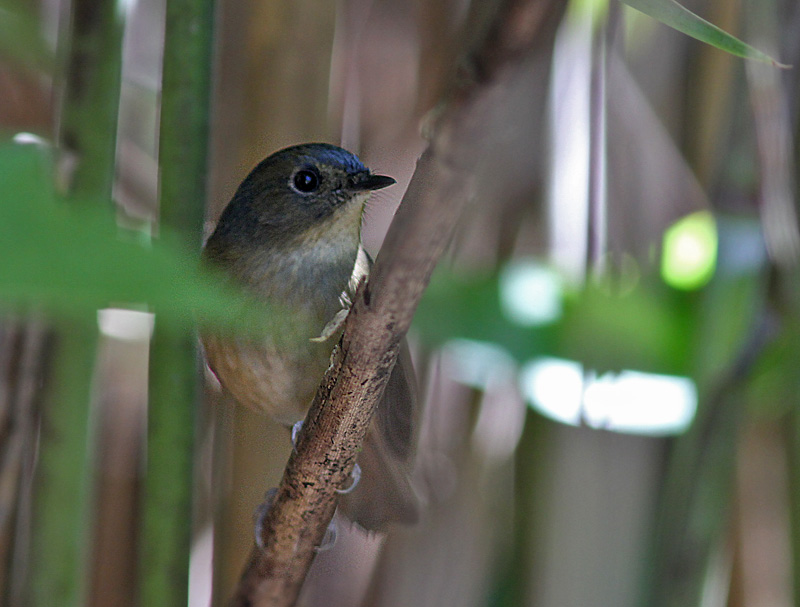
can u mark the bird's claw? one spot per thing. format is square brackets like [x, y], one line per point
[333, 325]
[355, 475]
[260, 515]
[296, 432]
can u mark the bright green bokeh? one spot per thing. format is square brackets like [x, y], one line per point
[689, 255]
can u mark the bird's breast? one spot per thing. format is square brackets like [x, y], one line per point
[278, 372]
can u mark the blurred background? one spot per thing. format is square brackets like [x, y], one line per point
[608, 351]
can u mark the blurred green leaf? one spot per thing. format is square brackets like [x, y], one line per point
[772, 388]
[468, 307]
[729, 311]
[682, 19]
[647, 329]
[73, 261]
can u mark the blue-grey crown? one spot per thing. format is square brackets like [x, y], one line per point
[325, 153]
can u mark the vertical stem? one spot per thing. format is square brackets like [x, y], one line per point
[62, 491]
[693, 509]
[183, 149]
[90, 98]
[530, 477]
[185, 114]
[793, 431]
[163, 574]
[597, 237]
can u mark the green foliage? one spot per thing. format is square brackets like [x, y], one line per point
[774, 384]
[680, 18]
[647, 328]
[477, 316]
[613, 324]
[70, 262]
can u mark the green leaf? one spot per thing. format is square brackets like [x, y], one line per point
[467, 306]
[647, 329]
[72, 261]
[773, 385]
[677, 17]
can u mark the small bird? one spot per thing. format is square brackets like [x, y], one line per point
[291, 236]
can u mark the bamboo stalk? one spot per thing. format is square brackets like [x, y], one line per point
[63, 493]
[183, 149]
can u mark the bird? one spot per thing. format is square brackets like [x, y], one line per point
[291, 237]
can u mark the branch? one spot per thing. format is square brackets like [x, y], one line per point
[337, 422]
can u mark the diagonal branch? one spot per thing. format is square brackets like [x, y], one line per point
[381, 314]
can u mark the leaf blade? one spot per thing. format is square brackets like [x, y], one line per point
[678, 17]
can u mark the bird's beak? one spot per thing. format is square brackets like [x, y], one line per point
[368, 182]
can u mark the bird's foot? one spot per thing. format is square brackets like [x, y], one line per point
[296, 432]
[355, 475]
[333, 325]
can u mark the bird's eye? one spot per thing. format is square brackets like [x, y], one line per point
[306, 181]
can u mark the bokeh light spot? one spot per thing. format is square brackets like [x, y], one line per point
[628, 401]
[689, 255]
[530, 294]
